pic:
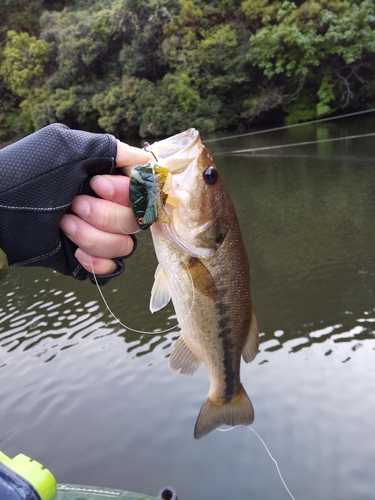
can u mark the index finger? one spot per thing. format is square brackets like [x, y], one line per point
[129, 156]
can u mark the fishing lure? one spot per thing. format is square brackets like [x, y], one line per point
[149, 188]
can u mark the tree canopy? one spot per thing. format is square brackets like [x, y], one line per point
[151, 68]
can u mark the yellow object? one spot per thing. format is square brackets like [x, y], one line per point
[40, 478]
[4, 266]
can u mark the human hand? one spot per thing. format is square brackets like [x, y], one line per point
[100, 227]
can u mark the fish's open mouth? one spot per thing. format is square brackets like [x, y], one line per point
[176, 152]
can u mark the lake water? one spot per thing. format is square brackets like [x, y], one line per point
[97, 404]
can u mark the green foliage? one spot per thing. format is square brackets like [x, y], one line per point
[267, 99]
[181, 88]
[145, 67]
[259, 12]
[10, 121]
[119, 105]
[20, 15]
[165, 115]
[81, 40]
[317, 39]
[24, 58]
[72, 106]
[326, 94]
[189, 13]
[302, 109]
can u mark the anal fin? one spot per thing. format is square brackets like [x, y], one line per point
[251, 347]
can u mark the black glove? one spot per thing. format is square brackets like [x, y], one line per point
[39, 177]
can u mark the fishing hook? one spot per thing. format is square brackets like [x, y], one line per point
[147, 145]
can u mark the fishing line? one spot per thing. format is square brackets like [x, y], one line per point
[119, 225]
[279, 146]
[267, 450]
[284, 127]
[133, 329]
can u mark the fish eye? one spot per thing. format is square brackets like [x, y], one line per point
[219, 239]
[210, 175]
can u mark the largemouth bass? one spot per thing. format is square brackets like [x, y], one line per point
[203, 268]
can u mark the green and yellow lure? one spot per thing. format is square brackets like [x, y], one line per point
[149, 188]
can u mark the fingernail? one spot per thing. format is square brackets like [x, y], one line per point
[102, 186]
[81, 207]
[68, 226]
[82, 256]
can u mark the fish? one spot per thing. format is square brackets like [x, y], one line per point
[203, 268]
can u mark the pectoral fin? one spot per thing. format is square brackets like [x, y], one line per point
[160, 294]
[251, 347]
[183, 358]
[201, 278]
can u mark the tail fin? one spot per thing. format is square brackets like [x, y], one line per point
[238, 411]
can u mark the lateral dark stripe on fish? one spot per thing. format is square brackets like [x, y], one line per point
[227, 345]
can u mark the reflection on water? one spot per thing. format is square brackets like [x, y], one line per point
[96, 402]
[49, 314]
[56, 320]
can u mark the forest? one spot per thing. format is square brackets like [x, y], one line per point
[150, 68]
